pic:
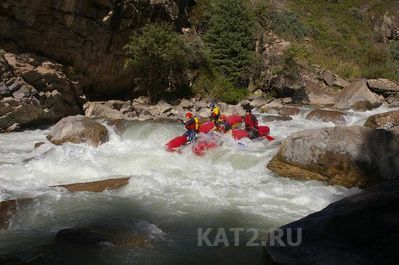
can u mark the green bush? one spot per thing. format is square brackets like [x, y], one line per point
[159, 58]
[395, 51]
[212, 84]
[287, 24]
[230, 40]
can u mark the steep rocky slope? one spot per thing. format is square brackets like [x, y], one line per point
[89, 35]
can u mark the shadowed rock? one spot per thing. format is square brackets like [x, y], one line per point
[347, 156]
[361, 229]
[8, 209]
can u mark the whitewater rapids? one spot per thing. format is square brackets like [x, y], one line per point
[169, 196]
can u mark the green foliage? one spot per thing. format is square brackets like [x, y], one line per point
[395, 51]
[159, 57]
[230, 40]
[201, 14]
[343, 38]
[211, 84]
[287, 25]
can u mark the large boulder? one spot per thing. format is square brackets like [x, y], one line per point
[336, 117]
[384, 120]
[34, 90]
[361, 229]
[78, 129]
[347, 156]
[383, 86]
[88, 35]
[319, 96]
[357, 96]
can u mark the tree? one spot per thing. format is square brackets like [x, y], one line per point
[159, 58]
[230, 40]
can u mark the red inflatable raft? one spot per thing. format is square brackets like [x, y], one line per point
[263, 131]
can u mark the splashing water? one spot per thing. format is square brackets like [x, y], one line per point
[169, 196]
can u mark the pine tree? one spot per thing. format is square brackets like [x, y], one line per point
[230, 40]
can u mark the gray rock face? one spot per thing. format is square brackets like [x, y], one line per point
[35, 91]
[89, 35]
[361, 229]
[347, 156]
[357, 96]
[78, 129]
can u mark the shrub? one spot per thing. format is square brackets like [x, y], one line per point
[159, 58]
[395, 51]
[212, 84]
[230, 40]
[287, 24]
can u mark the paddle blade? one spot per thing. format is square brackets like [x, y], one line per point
[270, 138]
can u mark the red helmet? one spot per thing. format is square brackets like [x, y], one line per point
[189, 115]
[223, 117]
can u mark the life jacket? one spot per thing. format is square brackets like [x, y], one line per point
[215, 113]
[192, 124]
[251, 122]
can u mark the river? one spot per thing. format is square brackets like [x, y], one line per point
[168, 198]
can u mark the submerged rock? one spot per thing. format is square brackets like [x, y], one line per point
[94, 237]
[8, 209]
[336, 117]
[78, 129]
[361, 229]
[384, 120]
[271, 118]
[347, 156]
[357, 96]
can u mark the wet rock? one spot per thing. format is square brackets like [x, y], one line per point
[384, 120]
[78, 129]
[119, 125]
[38, 144]
[97, 186]
[93, 237]
[347, 156]
[358, 97]
[272, 118]
[288, 111]
[336, 117]
[8, 209]
[80, 236]
[361, 229]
